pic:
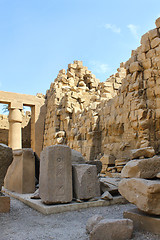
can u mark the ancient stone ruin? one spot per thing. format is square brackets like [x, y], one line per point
[92, 139]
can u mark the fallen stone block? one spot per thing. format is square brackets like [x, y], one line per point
[92, 222]
[109, 184]
[145, 194]
[143, 221]
[85, 181]
[20, 176]
[55, 185]
[6, 158]
[147, 152]
[142, 168]
[112, 229]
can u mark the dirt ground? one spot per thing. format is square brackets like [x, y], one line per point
[24, 223]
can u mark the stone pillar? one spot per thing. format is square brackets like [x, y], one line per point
[15, 135]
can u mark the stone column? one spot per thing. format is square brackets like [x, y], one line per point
[15, 135]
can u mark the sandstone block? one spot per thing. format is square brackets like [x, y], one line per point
[145, 194]
[112, 229]
[55, 184]
[142, 168]
[6, 158]
[85, 182]
[135, 66]
[20, 176]
[145, 152]
[155, 42]
[143, 221]
[108, 159]
[92, 221]
[4, 204]
[157, 22]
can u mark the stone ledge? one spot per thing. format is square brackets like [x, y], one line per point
[143, 221]
[59, 208]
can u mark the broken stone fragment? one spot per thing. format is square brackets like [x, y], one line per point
[145, 194]
[92, 221]
[142, 168]
[147, 152]
[112, 229]
[106, 196]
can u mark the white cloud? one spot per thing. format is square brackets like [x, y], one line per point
[99, 67]
[133, 29]
[113, 28]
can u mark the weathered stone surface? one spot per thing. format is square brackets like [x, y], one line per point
[6, 158]
[55, 184]
[145, 194]
[143, 221]
[77, 157]
[142, 152]
[112, 229]
[135, 66]
[20, 176]
[109, 184]
[92, 221]
[97, 163]
[142, 168]
[106, 196]
[85, 182]
[4, 204]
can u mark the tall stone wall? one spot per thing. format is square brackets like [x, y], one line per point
[26, 129]
[72, 102]
[112, 117]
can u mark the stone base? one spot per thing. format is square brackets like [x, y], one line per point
[143, 221]
[59, 208]
[4, 204]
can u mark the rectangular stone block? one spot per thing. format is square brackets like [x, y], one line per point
[4, 204]
[143, 221]
[20, 176]
[85, 181]
[55, 184]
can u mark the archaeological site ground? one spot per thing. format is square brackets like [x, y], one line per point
[87, 155]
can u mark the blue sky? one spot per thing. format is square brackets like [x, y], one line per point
[40, 37]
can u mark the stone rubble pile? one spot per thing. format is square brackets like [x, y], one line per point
[141, 186]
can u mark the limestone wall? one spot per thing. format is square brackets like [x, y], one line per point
[112, 117]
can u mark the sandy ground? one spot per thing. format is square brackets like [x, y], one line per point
[24, 223]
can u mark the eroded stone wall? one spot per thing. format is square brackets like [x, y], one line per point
[112, 117]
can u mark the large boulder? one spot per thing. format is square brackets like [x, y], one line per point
[145, 194]
[6, 158]
[142, 168]
[112, 229]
